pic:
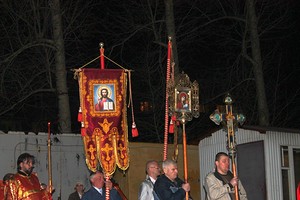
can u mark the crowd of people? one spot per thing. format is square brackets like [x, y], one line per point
[158, 185]
[25, 185]
[219, 184]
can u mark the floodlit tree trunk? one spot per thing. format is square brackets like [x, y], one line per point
[64, 119]
[263, 110]
[170, 23]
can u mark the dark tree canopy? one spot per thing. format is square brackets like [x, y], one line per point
[210, 40]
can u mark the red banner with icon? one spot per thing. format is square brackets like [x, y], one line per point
[104, 118]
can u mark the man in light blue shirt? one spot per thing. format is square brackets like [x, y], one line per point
[146, 187]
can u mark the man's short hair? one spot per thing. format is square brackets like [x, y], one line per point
[44, 185]
[78, 183]
[92, 174]
[168, 162]
[7, 177]
[218, 155]
[23, 157]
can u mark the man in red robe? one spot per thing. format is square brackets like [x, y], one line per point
[1, 190]
[25, 185]
[4, 185]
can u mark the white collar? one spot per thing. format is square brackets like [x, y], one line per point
[99, 190]
[152, 179]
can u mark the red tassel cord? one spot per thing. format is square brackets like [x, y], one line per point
[134, 130]
[79, 117]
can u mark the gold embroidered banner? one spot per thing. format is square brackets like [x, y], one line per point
[104, 118]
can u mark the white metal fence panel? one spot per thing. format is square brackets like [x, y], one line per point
[68, 160]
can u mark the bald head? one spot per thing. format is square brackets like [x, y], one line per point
[152, 169]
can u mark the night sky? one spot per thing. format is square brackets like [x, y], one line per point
[209, 37]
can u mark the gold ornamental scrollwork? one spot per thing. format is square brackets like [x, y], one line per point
[183, 98]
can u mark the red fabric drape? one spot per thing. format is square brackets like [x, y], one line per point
[104, 122]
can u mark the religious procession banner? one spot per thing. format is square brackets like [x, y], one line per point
[104, 118]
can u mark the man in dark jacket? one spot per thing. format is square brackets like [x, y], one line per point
[168, 186]
[77, 195]
[97, 191]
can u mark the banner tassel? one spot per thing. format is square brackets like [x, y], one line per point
[134, 131]
[79, 117]
[172, 124]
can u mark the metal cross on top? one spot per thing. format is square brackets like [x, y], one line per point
[230, 123]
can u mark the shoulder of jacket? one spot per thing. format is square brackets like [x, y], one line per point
[210, 174]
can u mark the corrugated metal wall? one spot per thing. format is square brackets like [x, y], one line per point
[208, 148]
[273, 142]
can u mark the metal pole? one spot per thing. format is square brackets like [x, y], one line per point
[185, 159]
[236, 189]
[231, 145]
[49, 159]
